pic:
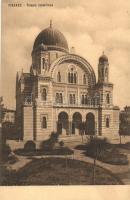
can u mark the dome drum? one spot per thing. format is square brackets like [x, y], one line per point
[50, 48]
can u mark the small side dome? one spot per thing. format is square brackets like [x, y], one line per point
[103, 58]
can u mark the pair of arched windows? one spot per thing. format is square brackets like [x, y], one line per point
[59, 98]
[44, 94]
[44, 122]
[72, 99]
[72, 77]
[84, 99]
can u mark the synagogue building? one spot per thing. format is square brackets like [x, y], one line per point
[61, 94]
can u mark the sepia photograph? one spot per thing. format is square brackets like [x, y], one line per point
[65, 93]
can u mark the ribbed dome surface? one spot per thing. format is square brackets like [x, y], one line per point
[52, 39]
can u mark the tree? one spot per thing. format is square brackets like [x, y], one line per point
[1, 110]
[2, 138]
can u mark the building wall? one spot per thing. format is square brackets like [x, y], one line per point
[113, 116]
[52, 119]
[43, 133]
[125, 121]
[28, 130]
[116, 113]
[47, 78]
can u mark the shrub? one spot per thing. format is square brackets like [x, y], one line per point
[12, 158]
[8, 176]
[115, 158]
[50, 143]
[47, 145]
[6, 150]
[95, 144]
[54, 137]
[105, 152]
[61, 143]
[59, 151]
[30, 146]
[81, 147]
[65, 151]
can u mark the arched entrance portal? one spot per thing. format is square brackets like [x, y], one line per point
[90, 124]
[63, 123]
[77, 124]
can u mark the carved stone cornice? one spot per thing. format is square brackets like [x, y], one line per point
[44, 78]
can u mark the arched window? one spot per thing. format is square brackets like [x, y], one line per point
[88, 100]
[107, 122]
[102, 71]
[69, 79]
[44, 94]
[57, 97]
[75, 78]
[85, 99]
[74, 100]
[43, 63]
[71, 99]
[44, 122]
[59, 77]
[84, 79]
[82, 100]
[61, 98]
[106, 72]
[108, 98]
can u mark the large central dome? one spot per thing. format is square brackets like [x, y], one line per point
[51, 39]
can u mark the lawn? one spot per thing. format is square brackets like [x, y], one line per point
[60, 171]
[104, 151]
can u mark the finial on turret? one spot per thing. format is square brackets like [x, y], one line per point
[72, 50]
[103, 53]
[51, 23]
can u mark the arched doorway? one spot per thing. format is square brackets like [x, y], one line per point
[63, 123]
[77, 124]
[90, 124]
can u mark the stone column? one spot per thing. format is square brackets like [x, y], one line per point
[70, 124]
[70, 127]
[55, 120]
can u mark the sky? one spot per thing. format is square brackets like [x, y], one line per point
[91, 26]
